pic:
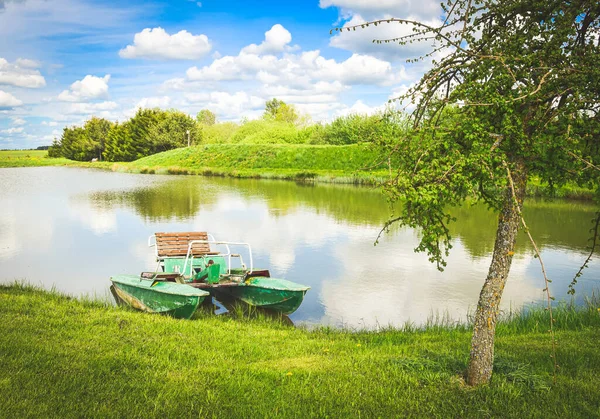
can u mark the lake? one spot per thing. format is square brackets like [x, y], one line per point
[71, 229]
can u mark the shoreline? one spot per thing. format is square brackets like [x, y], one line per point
[348, 177]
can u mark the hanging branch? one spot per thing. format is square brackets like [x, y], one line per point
[547, 281]
[594, 240]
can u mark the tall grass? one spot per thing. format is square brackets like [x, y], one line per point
[60, 357]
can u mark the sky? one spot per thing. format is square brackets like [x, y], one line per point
[64, 61]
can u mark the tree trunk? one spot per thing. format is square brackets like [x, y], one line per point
[481, 361]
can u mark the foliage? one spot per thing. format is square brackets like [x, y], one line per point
[82, 143]
[149, 131]
[515, 94]
[220, 133]
[266, 132]
[278, 110]
[172, 130]
[206, 117]
[96, 130]
[356, 128]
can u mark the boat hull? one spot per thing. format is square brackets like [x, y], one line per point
[177, 300]
[268, 293]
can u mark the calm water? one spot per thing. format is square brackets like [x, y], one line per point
[73, 228]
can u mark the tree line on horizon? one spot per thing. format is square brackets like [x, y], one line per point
[152, 131]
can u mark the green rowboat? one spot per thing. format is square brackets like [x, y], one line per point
[153, 294]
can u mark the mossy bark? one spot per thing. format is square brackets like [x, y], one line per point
[481, 360]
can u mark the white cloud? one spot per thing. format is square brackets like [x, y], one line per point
[18, 74]
[91, 87]
[162, 102]
[8, 101]
[12, 131]
[360, 108]
[303, 78]
[90, 108]
[276, 40]
[18, 121]
[50, 123]
[422, 9]
[229, 105]
[157, 44]
[361, 40]
[154, 102]
[27, 63]
[295, 69]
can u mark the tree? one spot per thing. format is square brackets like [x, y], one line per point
[171, 131]
[96, 131]
[516, 95]
[206, 117]
[280, 111]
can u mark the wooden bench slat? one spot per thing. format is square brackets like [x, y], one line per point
[176, 244]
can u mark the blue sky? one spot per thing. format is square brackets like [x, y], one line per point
[63, 61]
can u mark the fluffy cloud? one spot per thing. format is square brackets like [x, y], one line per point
[20, 74]
[8, 101]
[423, 9]
[276, 40]
[361, 40]
[157, 44]
[360, 108]
[154, 102]
[273, 69]
[229, 105]
[298, 69]
[91, 87]
[18, 121]
[27, 63]
[11, 131]
[162, 102]
[90, 108]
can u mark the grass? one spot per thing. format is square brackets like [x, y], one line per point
[63, 357]
[36, 158]
[341, 164]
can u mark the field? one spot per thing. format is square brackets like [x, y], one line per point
[62, 357]
[34, 158]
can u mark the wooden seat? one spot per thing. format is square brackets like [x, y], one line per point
[176, 244]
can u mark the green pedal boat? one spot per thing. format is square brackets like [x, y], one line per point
[156, 293]
[190, 254]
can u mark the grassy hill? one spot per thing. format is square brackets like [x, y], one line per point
[264, 160]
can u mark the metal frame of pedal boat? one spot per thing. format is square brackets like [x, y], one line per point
[189, 256]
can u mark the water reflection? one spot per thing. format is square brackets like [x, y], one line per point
[75, 228]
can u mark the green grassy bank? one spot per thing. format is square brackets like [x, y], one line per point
[352, 163]
[335, 164]
[37, 158]
[61, 357]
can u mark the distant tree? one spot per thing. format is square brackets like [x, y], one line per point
[119, 145]
[280, 111]
[171, 131]
[139, 143]
[206, 117]
[96, 130]
[515, 94]
[55, 149]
